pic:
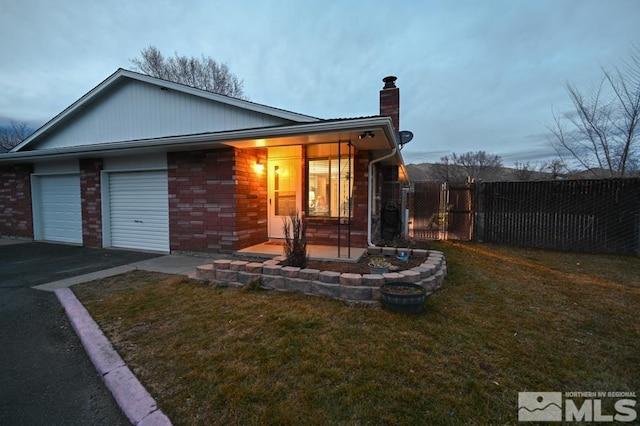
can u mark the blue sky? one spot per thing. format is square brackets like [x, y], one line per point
[473, 75]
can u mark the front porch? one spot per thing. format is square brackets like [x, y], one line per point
[271, 249]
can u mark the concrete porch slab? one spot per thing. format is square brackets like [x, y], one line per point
[316, 252]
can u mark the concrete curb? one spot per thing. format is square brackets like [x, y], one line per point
[134, 400]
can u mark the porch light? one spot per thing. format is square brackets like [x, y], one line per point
[368, 134]
[259, 167]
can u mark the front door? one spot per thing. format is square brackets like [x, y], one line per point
[283, 171]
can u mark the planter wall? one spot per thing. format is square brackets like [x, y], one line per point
[429, 275]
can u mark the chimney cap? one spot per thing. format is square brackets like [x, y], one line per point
[390, 82]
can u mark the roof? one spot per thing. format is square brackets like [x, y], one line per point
[381, 138]
[122, 74]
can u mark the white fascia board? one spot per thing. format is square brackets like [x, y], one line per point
[122, 73]
[204, 140]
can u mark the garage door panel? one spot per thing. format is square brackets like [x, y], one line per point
[139, 209]
[61, 214]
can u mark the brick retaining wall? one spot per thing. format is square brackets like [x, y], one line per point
[346, 286]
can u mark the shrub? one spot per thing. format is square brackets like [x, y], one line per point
[295, 235]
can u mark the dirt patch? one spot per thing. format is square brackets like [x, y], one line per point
[362, 267]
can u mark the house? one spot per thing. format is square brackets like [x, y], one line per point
[143, 163]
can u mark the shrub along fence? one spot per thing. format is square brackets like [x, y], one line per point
[583, 215]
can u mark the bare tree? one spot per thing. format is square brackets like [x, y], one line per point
[14, 134]
[524, 171]
[477, 165]
[447, 171]
[601, 132]
[556, 168]
[204, 73]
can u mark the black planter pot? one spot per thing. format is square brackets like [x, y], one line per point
[407, 301]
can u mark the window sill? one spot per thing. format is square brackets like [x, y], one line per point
[326, 219]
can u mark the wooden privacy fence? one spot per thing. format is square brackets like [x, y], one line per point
[582, 215]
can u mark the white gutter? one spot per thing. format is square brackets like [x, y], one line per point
[202, 140]
[370, 203]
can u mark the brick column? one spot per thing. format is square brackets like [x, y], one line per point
[91, 197]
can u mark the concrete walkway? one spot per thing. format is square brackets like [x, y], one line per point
[170, 264]
[316, 252]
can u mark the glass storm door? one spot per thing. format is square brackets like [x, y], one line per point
[284, 167]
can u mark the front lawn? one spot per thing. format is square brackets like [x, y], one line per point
[507, 320]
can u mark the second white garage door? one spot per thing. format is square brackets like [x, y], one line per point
[139, 210]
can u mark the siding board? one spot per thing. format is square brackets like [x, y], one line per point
[136, 110]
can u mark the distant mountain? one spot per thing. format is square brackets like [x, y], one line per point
[428, 172]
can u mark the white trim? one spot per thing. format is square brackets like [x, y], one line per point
[36, 207]
[105, 208]
[150, 162]
[216, 139]
[63, 166]
[294, 155]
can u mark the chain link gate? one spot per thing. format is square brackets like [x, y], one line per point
[440, 211]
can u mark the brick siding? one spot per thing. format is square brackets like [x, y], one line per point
[91, 195]
[217, 203]
[251, 198]
[16, 217]
[390, 105]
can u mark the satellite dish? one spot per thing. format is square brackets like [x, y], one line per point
[405, 137]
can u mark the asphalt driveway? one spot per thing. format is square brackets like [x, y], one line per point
[45, 374]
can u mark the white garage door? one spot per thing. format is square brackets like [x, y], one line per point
[61, 215]
[139, 210]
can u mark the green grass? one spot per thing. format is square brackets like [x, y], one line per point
[507, 320]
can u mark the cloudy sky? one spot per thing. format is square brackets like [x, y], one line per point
[473, 75]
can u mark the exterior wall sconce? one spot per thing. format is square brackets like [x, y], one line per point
[259, 167]
[368, 134]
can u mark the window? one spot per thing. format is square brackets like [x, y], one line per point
[330, 169]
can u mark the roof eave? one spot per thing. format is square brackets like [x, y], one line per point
[207, 140]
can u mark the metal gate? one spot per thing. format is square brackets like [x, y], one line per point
[441, 211]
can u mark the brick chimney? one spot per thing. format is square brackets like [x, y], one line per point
[390, 101]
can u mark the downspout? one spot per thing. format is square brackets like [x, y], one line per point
[371, 190]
